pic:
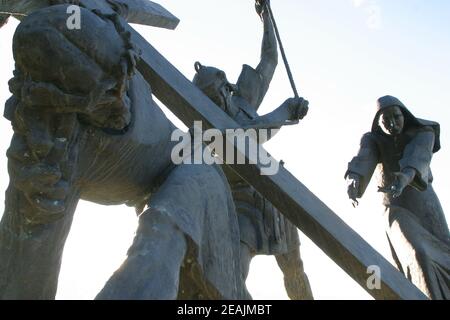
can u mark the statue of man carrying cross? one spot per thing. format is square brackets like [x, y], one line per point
[86, 126]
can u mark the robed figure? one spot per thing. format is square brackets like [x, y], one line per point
[402, 146]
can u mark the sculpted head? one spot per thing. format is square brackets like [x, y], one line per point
[93, 80]
[213, 83]
[392, 120]
[392, 116]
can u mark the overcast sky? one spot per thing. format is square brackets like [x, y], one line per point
[344, 54]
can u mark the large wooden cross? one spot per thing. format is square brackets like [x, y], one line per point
[306, 211]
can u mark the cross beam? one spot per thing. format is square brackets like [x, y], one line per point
[307, 212]
[143, 12]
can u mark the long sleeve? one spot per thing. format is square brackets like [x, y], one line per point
[417, 155]
[365, 162]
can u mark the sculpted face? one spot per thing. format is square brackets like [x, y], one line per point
[213, 82]
[219, 89]
[392, 121]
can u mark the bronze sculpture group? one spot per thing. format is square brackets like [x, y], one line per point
[81, 132]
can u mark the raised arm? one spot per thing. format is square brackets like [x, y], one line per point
[253, 84]
[269, 50]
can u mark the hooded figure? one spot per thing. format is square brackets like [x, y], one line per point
[417, 231]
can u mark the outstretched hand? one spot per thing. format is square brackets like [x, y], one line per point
[353, 188]
[297, 108]
[401, 180]
[260, 6]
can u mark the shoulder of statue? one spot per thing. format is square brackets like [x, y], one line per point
[370, 136]
[251, 86]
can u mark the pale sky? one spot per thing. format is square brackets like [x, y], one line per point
[344, 54]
